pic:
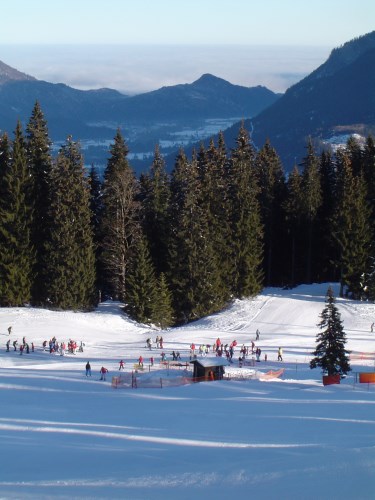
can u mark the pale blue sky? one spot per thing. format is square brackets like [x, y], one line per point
[318, 25]
[289, 22]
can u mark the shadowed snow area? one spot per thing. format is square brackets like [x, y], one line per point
[68, 436]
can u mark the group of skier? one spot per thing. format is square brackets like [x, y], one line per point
[23, 347]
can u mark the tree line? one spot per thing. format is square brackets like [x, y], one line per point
[174, 247]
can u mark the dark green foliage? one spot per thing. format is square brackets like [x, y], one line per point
[154, 195]
[17, 255]
[214, 201]
[194, 272]
[96, 209]
[368, 169]
[244, 216]
[293, 210]
[330, 353]
[162, 315]
[351, 228]
[311, 201]
[272, 195]
[325, 250]
[210, 231]
[70, 260]
[96, 204]
[40, 164]
[141, 284]
[120, 220]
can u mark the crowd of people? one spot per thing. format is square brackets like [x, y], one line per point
[23, 347]
[220, 349]
[53, 346]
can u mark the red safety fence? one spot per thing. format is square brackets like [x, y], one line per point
[362, 355]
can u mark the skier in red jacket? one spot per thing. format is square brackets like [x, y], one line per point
[103, 371]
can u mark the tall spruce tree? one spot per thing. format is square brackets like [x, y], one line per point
[293, 210]
[272, 195]
[69, 252]
[155, 194]
[311, 202]
[141, 287]
[326, 252]
[212, 170]
[246, 228]
[120, 219]
[368, 169]
[330, 353]
[351, 228]
[40, 165]
[96, 208]
[163, 315]
[194, 275]
[16, 250]
[5, 159]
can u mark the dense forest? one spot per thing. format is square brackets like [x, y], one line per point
[174, 247]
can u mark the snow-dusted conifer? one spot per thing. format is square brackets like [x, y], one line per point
[330, 353]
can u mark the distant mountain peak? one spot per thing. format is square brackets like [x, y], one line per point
[208, 79]
[9, 74]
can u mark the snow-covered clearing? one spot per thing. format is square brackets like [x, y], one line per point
[66, 436]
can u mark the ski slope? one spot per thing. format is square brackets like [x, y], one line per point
[66, 436]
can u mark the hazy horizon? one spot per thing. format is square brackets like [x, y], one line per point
[133, 69]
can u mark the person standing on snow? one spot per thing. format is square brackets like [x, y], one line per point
[280, 354]
[88, 369]
[121, 365]
[9, 330]
[103, 371]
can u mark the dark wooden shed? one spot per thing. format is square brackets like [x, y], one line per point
[209, 368]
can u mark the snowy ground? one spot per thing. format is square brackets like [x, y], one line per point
[66, 436]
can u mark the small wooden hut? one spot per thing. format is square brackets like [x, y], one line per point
[209, 368]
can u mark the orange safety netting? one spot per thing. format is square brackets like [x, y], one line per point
[271, 374]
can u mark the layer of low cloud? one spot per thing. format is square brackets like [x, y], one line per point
[136, 69]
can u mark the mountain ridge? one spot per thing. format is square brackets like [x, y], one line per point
[9, 74]
[167, 115]
[337, 94]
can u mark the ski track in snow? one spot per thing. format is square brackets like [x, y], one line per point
[278, 437]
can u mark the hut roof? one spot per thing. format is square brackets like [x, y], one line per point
[208, 362]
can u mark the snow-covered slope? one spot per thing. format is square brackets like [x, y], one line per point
[67, 436]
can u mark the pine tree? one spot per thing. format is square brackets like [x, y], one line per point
[368, 168]
[212, 170]
[141, 284]
[272, 195]
[69, 253]
[155, 194]
[330, 353]
[351, 228]
[311, 202]
[293, 210]
[17, 255]
[247, 231]
[40, 165]
[326, 252]
[96, 208]
[162, 314]
[194, 276]
[120, 220]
